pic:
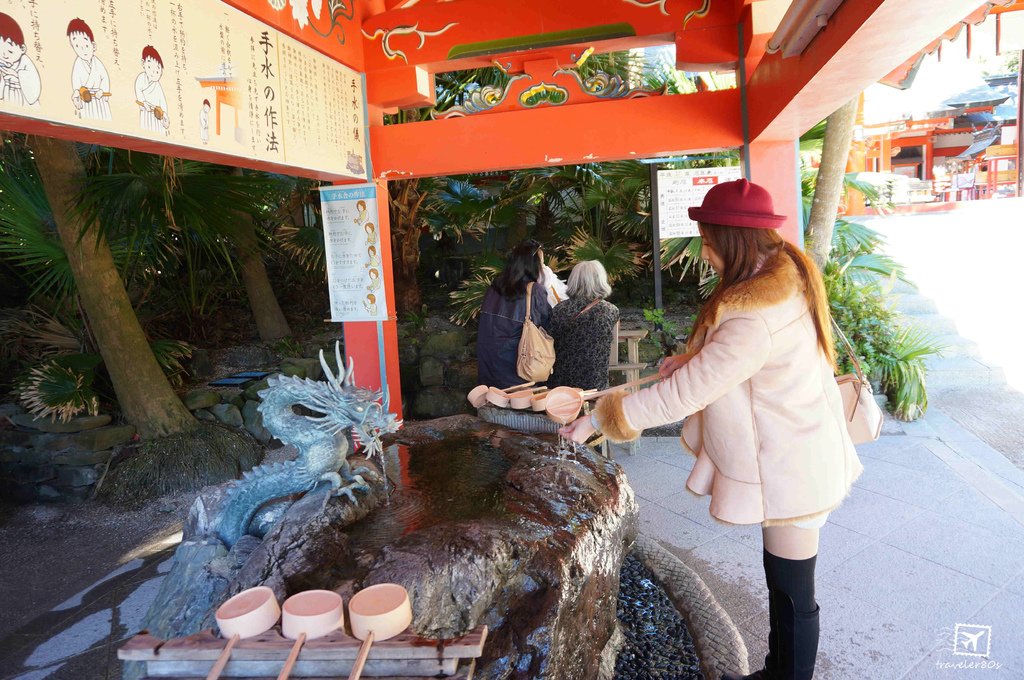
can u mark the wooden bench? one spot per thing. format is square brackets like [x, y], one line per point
[630, 370]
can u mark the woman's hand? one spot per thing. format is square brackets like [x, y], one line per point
[670, 365]
[579, 430]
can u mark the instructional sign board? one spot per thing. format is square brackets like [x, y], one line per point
[355, 278]
[682, 189]
[193, 73]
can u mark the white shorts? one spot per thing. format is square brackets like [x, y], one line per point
[813, 523]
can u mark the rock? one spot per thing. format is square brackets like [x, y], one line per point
[7, 410]
[77, 475]
[431, 372]
[252, 390]
[16, 438]
[252, 420]
[79, 457]
[199, 366]
[461, 375]
[95, 440]
[248, 357]
[31, 474]
[229, 414]
[444, 345]
[408, 352]
[310, 368]
[435, 402]
[205, 415]
[46, 425]
[292, 370]
[47, 493]
[197, 399]
[544, 577]
[231, 396]
[188, 591]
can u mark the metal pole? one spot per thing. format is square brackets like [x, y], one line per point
[1020, 124]
[657, 236]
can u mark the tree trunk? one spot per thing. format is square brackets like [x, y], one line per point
[270, 321]
[404, 205]
[829, 188]
[145, 396]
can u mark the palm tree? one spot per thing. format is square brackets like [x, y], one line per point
[142, 389]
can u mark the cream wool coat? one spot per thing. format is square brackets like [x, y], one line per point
[765, 414]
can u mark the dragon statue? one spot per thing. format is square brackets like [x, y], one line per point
[322, 453]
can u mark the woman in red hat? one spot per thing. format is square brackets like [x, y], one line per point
[763, 413]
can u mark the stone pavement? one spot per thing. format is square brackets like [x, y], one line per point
[931, 536]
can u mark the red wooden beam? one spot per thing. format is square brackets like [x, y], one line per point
[584, 133]
[452, 33]
[864, 41]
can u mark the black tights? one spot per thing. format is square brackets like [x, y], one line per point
[793, 639]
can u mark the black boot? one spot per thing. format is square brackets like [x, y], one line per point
[796, 616]
[770, 670]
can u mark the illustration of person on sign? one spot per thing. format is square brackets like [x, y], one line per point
[361, 210]
[372, 258]
[370, 304]
[204, 122]
[149, 95]
[374, 281]
[20, 82]
[90, 83]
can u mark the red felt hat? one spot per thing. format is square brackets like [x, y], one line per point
[738, 204]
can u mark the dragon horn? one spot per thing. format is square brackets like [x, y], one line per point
[350, 374]
[327, 371]
[342, 373]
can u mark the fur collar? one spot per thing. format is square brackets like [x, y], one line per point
[777, 280]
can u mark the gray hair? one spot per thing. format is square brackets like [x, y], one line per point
[588, 281]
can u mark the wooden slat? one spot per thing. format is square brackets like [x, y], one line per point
[464, 673]
[206, 646]
[628, 367]
[638, 334]
[374, 668]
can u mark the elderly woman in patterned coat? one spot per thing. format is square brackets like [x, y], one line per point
[583, 327]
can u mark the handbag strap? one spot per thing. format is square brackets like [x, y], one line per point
[863, 381]
[529, 299]
[585, 309]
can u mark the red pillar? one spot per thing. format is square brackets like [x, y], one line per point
[373, 345]
[776, 166]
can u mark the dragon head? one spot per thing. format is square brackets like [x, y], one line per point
[346, 406]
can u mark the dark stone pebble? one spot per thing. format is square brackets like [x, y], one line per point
[658, 646]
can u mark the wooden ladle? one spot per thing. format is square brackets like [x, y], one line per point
[563, 404]
[379, 612]
[478, 395]
[247, 614]
[307, 616]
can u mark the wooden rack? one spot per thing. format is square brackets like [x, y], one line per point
[330, 657]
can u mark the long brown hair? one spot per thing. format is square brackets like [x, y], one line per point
[743, 250]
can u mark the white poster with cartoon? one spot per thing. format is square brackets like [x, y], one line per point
[192, 73]
[355, 277]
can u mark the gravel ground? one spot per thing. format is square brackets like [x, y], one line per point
[658, 646]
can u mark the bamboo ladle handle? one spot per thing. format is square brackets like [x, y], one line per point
[364, 651]
[223, 659]
[587, 396]
[520, 387]
[292, 657]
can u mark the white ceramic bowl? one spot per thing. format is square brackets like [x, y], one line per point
[313, 612]
[248, 613]
[384, 609]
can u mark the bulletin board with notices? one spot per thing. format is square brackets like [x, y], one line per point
[679, 190]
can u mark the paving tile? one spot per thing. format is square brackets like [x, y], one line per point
[911, 587]
[970, 505]
[735, 574]
[872, 514]
[693, 507]
[654, 479]
[1005, 658]
[665, 525]
[1016, 584]
[908, 452]
[836, 544]
[857, 639]
[967, 548]
[901, 483]
[757, 645]
[990, 459]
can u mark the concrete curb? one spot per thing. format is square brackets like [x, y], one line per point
[719, 643]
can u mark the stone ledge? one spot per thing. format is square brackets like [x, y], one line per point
[719, 643]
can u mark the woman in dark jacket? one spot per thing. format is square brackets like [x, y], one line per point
[583, 327]
[503, 313]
